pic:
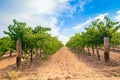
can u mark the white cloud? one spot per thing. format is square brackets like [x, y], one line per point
[80, 26]
[39, 12]
[117, 17]
[35, 12]
[118, 12]
[63, 38]
[100, 16]
[79, 7]
[45, 7]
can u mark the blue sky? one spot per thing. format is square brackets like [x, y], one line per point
[64, 17]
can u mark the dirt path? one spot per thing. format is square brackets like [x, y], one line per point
[64, 65]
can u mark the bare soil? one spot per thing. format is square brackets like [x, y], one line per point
[65, 65]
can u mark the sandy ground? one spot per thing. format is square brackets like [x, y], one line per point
[65, 65]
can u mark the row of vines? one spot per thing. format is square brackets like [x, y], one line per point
[30, 41]
[93, 37]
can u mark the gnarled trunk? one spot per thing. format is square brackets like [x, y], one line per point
[40, 53]
[31, 56]
[88, 51]
[10, 53]
[93, 51]
[98, 55]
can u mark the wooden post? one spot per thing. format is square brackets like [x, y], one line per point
[19, 53]
[106, 49]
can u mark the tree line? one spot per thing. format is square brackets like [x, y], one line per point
[93, 37]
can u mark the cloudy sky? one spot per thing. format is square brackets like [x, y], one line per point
[64, 17]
